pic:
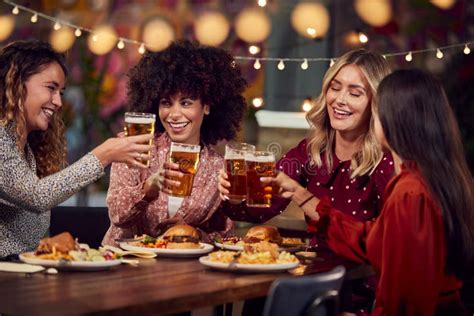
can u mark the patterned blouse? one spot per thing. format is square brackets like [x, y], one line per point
[130, 214]
[26, 200]
[360, 198]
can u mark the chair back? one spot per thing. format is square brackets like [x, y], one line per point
[87, 224]
[315, 295]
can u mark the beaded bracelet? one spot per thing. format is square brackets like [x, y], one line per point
[306, 201]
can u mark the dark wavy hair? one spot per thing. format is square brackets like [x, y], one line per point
[420, 126]
[207, 73]
[18, 62]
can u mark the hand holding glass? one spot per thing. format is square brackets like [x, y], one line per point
[137, 123]
[259, 164]
[236, 169]
[187, 156]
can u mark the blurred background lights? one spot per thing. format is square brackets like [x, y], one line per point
[157, 34]
[34, 18]
[7, 24]
[374, 12]
[257, 102]
[257, 64]
[439, 53]
[307, 104]
[254, 49]
[363, 38]
[281, 65]
[57, 26]
[262, 3]
[78, 32]
[252, 25]
[304, 64]
[15, 10]
[443, 4]
[311, 32]
[211, 28]
[309, 15]
[121, 44]
[409, 57]
[102, 40]
[466, 50]
[62, 39]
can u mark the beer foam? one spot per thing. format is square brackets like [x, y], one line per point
[185, 148]
[258, 158]
[235, 155]
[139, 120]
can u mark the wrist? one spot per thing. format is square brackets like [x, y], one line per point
[301, 196]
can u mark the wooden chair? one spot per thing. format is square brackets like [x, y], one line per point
[316, 295]
[88, 224]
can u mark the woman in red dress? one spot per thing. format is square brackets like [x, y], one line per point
[422, 244]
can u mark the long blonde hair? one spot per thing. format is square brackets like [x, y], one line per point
[18, 62]
[322, 136]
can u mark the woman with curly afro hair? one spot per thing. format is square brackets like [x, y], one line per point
[196, 91]
[33, 173]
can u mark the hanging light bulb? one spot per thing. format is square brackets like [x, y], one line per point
[363, 38]
[95, 38]
[57, 26]
[304, 64]
[257, 64]
[332, 62]
[34, 18]
[409, 57]
[281, 65]
[78, 32]
[141, 49]
[311, 32]
[439, 53]
[257, 102]
[254, 49]
[262, 3]
[120, 44]
[307, 104]
[384, 57]
[15, 10]
[466, 50]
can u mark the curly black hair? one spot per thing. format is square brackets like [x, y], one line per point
[206, 73]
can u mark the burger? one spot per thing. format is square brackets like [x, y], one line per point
[262, 233]
[182, 236]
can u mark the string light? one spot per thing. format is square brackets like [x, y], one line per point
[257, 64]
[363, 38]
[94, 37]
[307, 104]
[332, 62]
[311, 32]
[121, 44]
[466, 50]
[257, 102]
[34, 18]
[254, 49]
[304, 65]
[409, 57]
[262, 3]
[141, 49]
[257, 60]
[57, 26]
[281, 65]
[439, 53]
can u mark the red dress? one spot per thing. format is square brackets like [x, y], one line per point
[406, 246]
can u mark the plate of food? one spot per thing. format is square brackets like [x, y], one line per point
[64, 252]
[178, 241]
[257, 234]
[258, 257]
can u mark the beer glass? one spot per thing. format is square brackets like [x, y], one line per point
[137, 123]
[187, 156]
[259, 164]
[236, 170]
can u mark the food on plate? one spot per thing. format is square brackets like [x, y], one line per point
[263, 233]
[65, 247]
[257, 253]
[292, 241]
[231, 241]
[182, 236]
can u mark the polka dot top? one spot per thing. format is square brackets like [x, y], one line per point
[26, 200]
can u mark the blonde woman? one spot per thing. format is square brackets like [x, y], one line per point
[341, 158]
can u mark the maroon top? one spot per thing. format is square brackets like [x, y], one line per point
[406, 246]
[361, 197]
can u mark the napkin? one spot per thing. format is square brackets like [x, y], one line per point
[19, 267]
[139, 254]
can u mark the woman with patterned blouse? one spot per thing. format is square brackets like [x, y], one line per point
[32, 145]
[341, 158]
[196, 92]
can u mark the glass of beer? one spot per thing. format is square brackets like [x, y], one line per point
[187, 156]
[259, 164]
[236, 169]
[137, 123]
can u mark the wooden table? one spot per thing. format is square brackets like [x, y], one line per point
[160, 286]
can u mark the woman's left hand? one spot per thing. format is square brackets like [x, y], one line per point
[162, 181]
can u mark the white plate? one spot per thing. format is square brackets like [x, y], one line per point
[291, 248]
[273, 267]
[29, 257]
[205, 248]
